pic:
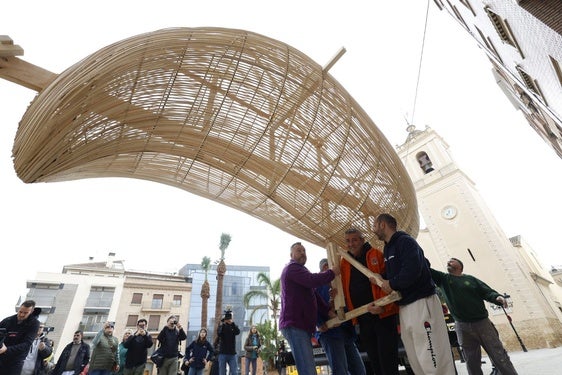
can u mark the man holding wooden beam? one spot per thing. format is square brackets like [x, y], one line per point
[378, 328]
[422, 326]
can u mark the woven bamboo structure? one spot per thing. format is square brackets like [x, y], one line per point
[229, 115]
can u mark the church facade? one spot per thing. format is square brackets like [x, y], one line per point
[459, 224]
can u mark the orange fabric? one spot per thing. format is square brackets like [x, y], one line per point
[375, 263]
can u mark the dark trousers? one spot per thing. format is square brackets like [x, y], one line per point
[379, 338]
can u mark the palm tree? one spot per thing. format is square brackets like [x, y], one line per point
[205, 291]
[271, 294]
[269, 331]
[221, 270]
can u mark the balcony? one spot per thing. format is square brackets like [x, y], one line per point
[97, 305]
[156, 306]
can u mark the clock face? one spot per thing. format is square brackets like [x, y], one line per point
[449, 212]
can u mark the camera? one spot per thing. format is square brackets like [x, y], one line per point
[175, 322]
[112, 324]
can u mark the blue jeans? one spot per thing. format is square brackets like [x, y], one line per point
[301, 347]
[335, 346]
[253, 362]
[195, 371]
[232, 366]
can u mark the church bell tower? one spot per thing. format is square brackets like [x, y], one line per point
[459, 224]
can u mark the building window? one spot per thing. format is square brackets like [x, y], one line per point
[157, 301]
[132, 320]
[529, 82]
[425, 162]
[153, 322]
[100, 297]
[467, 4]
[503, 30]
[556, 65]
[176, 301]
[137, 299]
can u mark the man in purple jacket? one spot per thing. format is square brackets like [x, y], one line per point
[300, 306]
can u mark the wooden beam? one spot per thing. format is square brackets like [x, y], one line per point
[392, 297]
[339, 299]
[25, 74]
[8, 48]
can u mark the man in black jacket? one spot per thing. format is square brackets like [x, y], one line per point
[19, 330]
[74, 357]
[227, 332]
[137, 345]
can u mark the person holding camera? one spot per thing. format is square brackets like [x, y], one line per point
[227, 332]
[252, 346]
[40, 349]
[18, 332]
[137, 348]
[105, 353]
[169, 340]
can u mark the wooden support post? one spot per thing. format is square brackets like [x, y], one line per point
[339, 300]
[392, 297]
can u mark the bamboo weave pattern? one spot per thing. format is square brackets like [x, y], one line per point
[229, 115]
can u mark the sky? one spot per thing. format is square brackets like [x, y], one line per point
[159, 228]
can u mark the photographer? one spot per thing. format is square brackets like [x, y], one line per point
[137, 345]
[20, 331]
[226, 333]
[169, 340]
[40, 349]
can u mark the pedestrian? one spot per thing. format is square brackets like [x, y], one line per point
[40, 349]
[105, 353]
[170, 338]
[137, 346]
[123, 352]
[19, 331]
[198, 354]
[378, 329]
[227, 332]
[252, 346]
[74, 357]
[339, 343]
[300, 305]
[464, 295]
[281, 359]
[422, 324]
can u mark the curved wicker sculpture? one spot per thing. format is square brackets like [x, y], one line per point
[229, 115]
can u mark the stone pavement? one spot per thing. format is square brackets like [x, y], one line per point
[533, 362]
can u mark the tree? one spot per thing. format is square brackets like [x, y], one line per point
[205, 291]
[221, 270]
[268, 329]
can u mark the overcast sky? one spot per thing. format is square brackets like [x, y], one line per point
[160, 228]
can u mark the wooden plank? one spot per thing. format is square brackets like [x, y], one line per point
[23, 73]
[339, 299]
[361, 268]
[392, 297]
[8, 48]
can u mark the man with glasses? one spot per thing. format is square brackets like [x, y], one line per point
[74, 357]
[137, 345]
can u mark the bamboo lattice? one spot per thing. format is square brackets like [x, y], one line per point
[229, 115]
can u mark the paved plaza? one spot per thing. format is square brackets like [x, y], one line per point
[533, 362]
